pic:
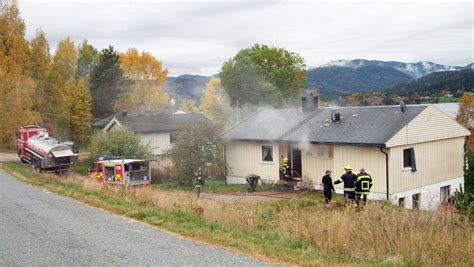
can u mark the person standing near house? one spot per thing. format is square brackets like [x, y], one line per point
[363, 185]
[199, 182]
[328, 188]
[349, 180]
[285, 168]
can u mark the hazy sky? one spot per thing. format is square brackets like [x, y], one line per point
[197, 37]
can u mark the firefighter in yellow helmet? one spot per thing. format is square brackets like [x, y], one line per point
[285, 171]
[349, 179]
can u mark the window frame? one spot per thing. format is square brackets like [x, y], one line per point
[409, 159]
[262, 160]
[174, 138]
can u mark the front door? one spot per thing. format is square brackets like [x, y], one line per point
[296, 161]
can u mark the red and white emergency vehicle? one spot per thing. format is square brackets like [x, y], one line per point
[121, 171]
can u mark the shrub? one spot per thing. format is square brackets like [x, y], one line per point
[197, 147]
[121, 143]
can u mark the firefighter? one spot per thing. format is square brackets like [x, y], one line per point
[363, 185]
[328, 188]
[199, 182]
[349, 180]
[285, 168]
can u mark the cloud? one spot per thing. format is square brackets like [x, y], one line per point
[197, 37]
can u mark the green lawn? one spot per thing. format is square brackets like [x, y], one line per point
[448, 99]
[212, 186]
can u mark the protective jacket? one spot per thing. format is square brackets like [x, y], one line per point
[349, 180]
[363, 183]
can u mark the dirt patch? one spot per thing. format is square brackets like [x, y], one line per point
[8, 157]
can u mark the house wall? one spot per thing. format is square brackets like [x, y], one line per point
[369, 158]
[436, 161]
[430, 125]
[244, 158]
[159, 142]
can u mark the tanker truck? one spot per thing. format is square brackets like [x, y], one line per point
[44, 153]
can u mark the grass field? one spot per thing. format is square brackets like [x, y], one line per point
[212, 186]
[297, 232]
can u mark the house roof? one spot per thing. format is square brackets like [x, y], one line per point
[153, 121]
[103, 122]
[369, 126]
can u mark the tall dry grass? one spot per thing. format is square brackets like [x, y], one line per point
[378, 232]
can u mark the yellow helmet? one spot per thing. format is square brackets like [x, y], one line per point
[348, 168]
[285, 159]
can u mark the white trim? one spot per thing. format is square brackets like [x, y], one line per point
[111, 123]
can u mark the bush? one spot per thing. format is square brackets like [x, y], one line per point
[197, 147]
[464, 201]
[121, 143]
[469, 173]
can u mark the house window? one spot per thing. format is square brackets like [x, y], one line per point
[401, 202]
[416, 201]
[409, 160]
[320, 151]
[444, 193]
[267, 153]
[173, 137]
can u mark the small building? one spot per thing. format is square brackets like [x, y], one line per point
[415, 153]
[157, 129]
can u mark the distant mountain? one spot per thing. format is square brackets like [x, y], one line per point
[186, 86]
[337, 80]
[415, 70]
[433, 84]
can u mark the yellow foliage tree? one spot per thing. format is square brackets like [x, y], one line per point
[80, 110]
[212, 100]
[466, 116]
[147, 78]
[16, 86]
[40, 68]
[63, 71]
[189, 106]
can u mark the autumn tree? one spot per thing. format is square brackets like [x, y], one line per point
[80, 109]
[213, 100]
[63, 72]
[105, 83]
[16, 86]
[466, 116]
[263, 75]
[146, 78]
[88, 57]
[189, 106]
[40, 66]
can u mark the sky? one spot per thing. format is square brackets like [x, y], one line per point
[197, 37]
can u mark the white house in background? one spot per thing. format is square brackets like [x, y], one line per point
[156, 128]
[415, 154]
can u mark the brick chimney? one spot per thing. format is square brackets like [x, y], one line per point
[309, 103]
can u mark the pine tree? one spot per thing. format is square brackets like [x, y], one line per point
[105, 83]
[16, 86]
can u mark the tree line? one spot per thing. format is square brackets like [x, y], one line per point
[68, 89]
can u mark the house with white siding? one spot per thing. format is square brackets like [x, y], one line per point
[415, 153]
[157, 129]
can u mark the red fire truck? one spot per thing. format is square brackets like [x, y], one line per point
[121, 171]
[37, 148]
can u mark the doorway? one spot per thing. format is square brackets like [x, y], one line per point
[296, 161]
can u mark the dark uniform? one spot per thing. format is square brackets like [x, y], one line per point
[349, 180]
[327, 188]
[199, 182]
[362, 187]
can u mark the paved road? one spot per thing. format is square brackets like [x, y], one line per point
[43, 229]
